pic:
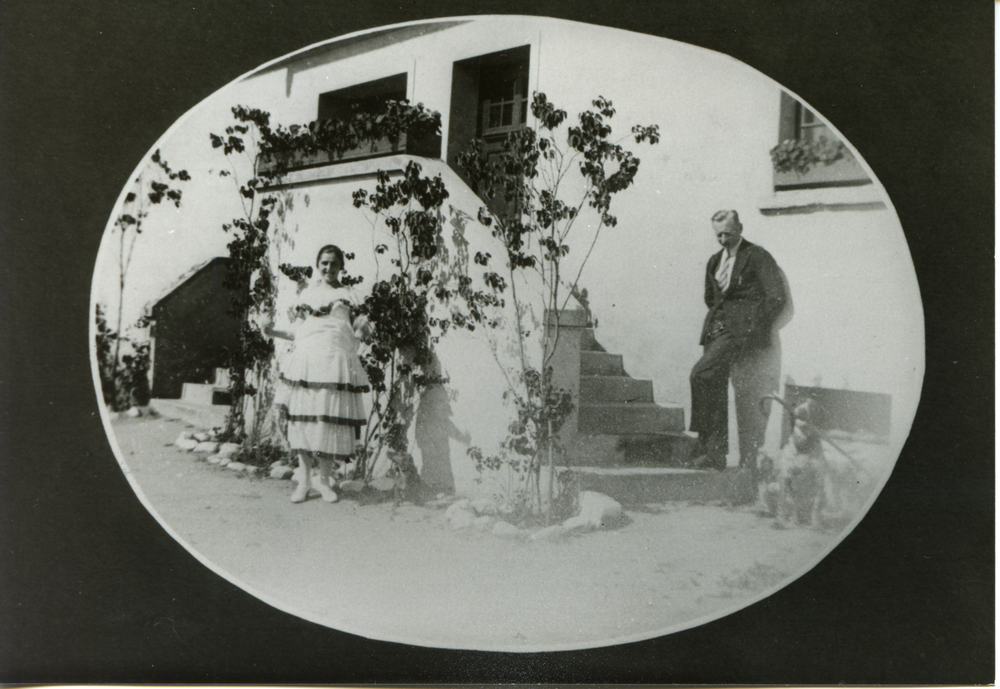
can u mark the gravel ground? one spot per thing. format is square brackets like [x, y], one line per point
[400, 573]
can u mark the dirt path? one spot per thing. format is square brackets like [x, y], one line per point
[400, 573]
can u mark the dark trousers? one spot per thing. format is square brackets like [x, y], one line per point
[754, 371]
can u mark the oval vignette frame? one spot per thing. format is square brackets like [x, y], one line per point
[835, 235]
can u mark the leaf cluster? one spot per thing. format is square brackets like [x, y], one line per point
[419, 228]
[155, 193]
[800, 156]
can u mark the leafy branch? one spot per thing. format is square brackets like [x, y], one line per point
[155, 184]
[523, 184]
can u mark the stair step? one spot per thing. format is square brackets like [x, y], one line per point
[629, 419]
[651, 485]
[659, 450]
[615, 389]
[589, 343]
[601, 364]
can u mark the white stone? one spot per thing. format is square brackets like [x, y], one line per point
[186, 444]
[462, 505]
[485, 506]
[236, 466]
[599, 510]
[229, 449]
[207, 446]
[202, 436]
[577, 524]
[549, 533]
[133, 412]
[462, 519]
[224, 461]
[484, 523]
[507, 530]
[213, 459]
[383, 483]
[281, 471]
[185, 435]
[351, 486]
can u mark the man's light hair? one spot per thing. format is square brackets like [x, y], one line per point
[732, 216]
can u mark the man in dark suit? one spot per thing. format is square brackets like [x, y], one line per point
[745, 293]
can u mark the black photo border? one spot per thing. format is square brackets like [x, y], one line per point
[93, 590]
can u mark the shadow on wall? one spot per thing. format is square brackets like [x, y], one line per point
[433, 428]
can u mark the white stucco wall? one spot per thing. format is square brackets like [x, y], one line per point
[858, 320]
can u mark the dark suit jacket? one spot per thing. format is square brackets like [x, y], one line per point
[754, 299]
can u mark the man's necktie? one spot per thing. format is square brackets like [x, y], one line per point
[725, 271]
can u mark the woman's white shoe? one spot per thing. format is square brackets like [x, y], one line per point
[301, 492]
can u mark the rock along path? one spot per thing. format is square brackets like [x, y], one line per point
[401, 573]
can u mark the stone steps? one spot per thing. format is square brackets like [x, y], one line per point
[616, 418]
[617, 422]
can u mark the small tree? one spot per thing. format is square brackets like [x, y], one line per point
[526, 188]
[150, 188]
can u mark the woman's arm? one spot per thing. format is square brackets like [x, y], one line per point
[271, 331]
[362, 326]
[359, 322]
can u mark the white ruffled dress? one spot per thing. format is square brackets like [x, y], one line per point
[322, 379]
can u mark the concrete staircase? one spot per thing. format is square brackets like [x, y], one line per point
[204, 405]
[619, 441]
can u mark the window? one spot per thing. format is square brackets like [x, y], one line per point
[489, 100]
[503, 99]
[809, 155]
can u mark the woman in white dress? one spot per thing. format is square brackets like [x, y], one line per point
[322, 380]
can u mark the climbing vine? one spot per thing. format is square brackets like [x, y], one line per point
[398, 356]
[250, 280]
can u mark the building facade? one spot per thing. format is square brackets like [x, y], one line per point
[858, 319]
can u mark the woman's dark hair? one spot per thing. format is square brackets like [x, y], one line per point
[331, 249]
